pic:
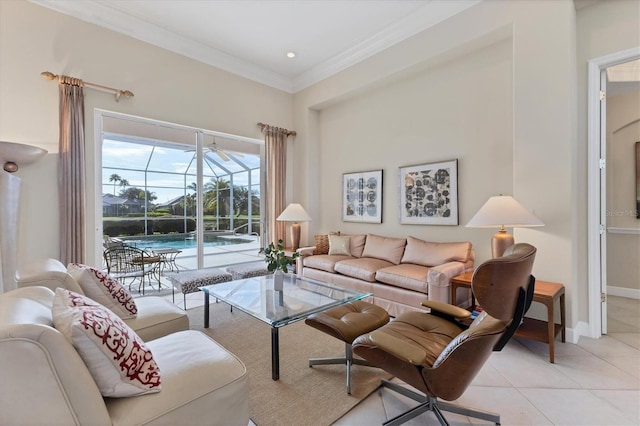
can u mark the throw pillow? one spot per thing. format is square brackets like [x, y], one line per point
[104, 289]
[339, 245]
[118, 360]
[322, 243]
[384, 248]
[426, 253]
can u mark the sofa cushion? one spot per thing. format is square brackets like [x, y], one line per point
[426, 253]
[364, 268]
[119, 361]
[323, 262]
[202, 383]
[104, 289]
[339, 245]
[406, 275]
[157, 317]
[385, 248]
[356, 244]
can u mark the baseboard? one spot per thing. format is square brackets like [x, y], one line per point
[630, 293]
[573, 334]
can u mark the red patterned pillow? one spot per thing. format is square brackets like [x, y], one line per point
[119, 361]
[103, 289]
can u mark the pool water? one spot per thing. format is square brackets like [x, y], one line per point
[185, 241]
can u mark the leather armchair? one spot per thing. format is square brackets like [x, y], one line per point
[439, 353]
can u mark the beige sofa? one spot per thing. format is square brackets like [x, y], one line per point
[156, 317]
[46, 381]
[399, 272]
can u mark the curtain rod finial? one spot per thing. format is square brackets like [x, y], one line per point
[48, 75]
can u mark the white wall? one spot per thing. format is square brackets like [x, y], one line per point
[167, 87]
[538, 123]
[440, 114]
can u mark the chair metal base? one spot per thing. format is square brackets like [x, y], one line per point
[348, 359]
[428, 403]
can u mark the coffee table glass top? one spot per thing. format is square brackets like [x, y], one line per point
[299, 297]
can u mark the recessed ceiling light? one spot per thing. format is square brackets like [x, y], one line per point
[291, 54]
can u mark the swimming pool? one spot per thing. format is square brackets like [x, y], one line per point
[182, 241]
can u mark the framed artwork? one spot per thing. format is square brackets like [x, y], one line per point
[362, 197]
[429, 194]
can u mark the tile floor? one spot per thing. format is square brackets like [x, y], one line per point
[594, 382]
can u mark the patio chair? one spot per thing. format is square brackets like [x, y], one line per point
[124, 262]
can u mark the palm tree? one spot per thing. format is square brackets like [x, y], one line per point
[124, 183]
[115, 178]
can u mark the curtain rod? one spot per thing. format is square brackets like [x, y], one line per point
[288, 132]
[126, 93]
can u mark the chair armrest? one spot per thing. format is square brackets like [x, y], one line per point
[401, 349]
[446, 309]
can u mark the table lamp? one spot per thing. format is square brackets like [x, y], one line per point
[503, 211]
[294, 213]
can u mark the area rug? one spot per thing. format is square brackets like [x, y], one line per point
[303, 395]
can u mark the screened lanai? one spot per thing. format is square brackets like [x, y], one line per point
[151, 197]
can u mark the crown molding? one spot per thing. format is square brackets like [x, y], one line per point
[426, 17]
[103, 15]
[107, 17]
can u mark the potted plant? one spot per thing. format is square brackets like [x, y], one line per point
[278, 262]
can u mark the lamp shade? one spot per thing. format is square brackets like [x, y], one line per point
[294, 213]
[503, 211]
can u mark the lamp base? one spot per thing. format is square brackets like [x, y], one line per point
[295, 236]
[500, 242]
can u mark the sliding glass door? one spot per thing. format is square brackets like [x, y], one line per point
[191, 193]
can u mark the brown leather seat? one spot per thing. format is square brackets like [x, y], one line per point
[437, 353]
[346, 322]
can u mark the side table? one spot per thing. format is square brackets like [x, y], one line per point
[545, 292]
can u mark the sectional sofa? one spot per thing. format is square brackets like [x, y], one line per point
[399, 272]
[184, 377]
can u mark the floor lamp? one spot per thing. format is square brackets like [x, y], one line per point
[12, 156]
[294, 213]
[503, 211]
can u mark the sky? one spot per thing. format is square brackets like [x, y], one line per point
[169, 169]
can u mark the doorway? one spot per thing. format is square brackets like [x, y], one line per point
[597, 200]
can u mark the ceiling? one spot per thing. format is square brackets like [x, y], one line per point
[251, 38]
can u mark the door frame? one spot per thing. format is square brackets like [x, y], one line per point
[596, 202]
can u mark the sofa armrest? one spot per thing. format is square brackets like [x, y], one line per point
[303, 252]
[49, 273]
[44, 380]
[306, 251]
[439, 277]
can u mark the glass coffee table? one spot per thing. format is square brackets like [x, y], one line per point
[299, 298]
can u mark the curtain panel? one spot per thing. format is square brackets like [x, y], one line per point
[71, 170]
[275, 140]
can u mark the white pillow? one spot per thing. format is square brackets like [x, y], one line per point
[105, 290]
[339, 245]
[119, 361]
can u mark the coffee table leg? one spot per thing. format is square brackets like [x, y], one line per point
[206, 309]
[275, 354]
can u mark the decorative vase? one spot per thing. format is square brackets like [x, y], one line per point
[278, 279]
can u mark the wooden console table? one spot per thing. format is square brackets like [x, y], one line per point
[546, 293]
